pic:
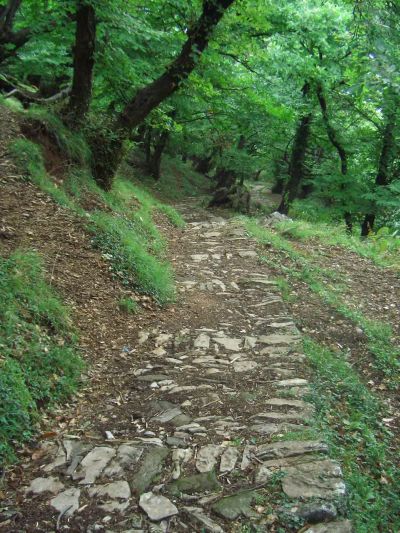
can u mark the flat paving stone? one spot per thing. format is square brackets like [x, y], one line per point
[202, 341]
[282, 417]
[197, 258]
[167, 415]
[229, 343]
[342, 526]
[244, 366]
[149, 469]
[59, 460]
[228, 459]
[117, 490]
[231, 507]
[207, 457]
[277, 450]
[198, 483]
[295, 382]
[66, 502]
[197, 515]
[279, 339]
[316, 479]
[247, 253]
[293, 404]
[93, 464]
[157, 507]
[45, 484]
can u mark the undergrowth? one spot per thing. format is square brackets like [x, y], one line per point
[39, 362]
[178, 180]
[349, 418]
[381, 247]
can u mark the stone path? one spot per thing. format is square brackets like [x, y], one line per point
[218, 444]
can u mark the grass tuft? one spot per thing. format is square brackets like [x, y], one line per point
[123, 244]
[70, 143]
[29, 158]
[129, 306]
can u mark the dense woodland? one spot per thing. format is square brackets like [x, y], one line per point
[303, 93]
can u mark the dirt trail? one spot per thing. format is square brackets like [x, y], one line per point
[177, 429]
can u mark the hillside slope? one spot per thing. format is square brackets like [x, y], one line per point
[215, 401]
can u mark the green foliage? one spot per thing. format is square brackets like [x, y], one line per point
[39, 361]
[123, 244]
[29, 159]
[364, 446]
[71, 144]
[382, 248]
[128, 305]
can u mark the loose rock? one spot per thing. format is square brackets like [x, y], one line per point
[45, 484]
[67, 502]
[157, 507]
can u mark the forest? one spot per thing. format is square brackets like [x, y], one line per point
[304, 93]
[200, 266]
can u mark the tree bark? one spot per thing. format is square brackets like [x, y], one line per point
[332, 136]
[297, 170]
[149, 97]
[154, 162]
[84, 50]
[204, 165]
[382, 176]
[7, 35]
[7, 15]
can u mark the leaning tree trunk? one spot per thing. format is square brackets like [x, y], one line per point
[382, 177]
[337, 145]
[109, 152]
[11, 41]
[84, 49]
[297, 169]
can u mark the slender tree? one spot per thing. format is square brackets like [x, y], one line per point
[297, 169]
[383, 175]
[336, 143]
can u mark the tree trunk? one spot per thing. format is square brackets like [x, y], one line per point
[279, 172]
[11, 41]
[296, 167]
[382, 177]
[7, 15]
[332, 136]
[154, 163]
[257, 174]
[84, 49]
[204, 165]
[147, 144]
[149, 97]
